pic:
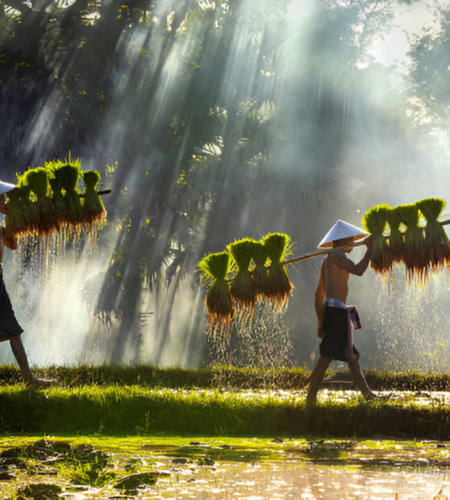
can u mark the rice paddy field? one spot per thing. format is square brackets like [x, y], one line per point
[219, 468]
[142, 432]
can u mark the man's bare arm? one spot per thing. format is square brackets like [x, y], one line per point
[352, 268]
[319, 299]
[7, 243]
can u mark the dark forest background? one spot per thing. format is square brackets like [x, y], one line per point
[213, 121]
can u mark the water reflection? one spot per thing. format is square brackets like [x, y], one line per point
[299, 481]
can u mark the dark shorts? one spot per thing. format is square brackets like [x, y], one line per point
[335, 334]
[9, 326]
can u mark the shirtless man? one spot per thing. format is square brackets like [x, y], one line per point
[335, 318]
[9, 327]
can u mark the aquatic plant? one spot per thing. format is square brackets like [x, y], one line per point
[91, 473]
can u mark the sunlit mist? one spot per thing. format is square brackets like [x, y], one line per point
[213, 121]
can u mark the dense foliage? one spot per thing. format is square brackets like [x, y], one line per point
[213, 121]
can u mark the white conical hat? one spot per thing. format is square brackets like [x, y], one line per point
[6, 187]
[340, 231]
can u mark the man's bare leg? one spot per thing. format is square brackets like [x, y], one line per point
[316, 378]
[359, 379]
[21, 357]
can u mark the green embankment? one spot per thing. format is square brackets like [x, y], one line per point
[134, 410]
[219, 377]
[149, 401]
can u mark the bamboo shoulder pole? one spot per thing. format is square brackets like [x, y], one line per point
[100, 193]
[331, 250]
[321, 252]
[105, 191]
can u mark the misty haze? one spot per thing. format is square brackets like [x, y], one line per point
[211, 122]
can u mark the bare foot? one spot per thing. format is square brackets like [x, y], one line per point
[38, 382]
[373, 396]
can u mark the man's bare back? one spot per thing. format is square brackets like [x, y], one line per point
[334, 274]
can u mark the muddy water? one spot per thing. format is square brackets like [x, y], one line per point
[273, 481]
[255, 468]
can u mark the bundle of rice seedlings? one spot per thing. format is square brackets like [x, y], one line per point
[278, 285]
[374, 221]
[259, 270]
[437, 245]
[395, 235]
[69, 174]
[414, 255]
[243, 288]
[29, 208]
[93, 209]
[61, 216]
[14, 219]
[218, 301]
[37, 180]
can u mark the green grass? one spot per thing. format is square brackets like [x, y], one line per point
[143, 400]
[115, 409]
[143, 411]
[145, 375]
[221, 376]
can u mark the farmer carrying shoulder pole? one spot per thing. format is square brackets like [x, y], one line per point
[9, 326]
[335, 317]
